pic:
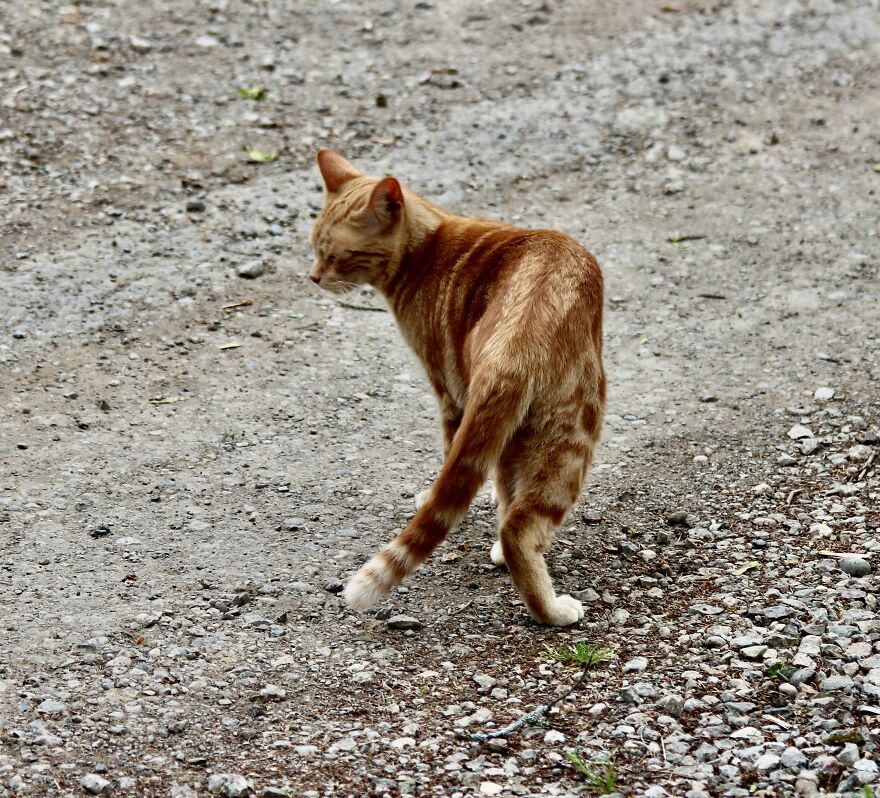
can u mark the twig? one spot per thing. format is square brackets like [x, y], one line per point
[792, 495]
[864, 471]
[457, 610]
[362, 307]
[530, 718]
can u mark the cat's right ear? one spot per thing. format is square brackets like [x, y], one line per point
[335, 170]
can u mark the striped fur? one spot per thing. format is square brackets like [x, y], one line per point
[508, 325]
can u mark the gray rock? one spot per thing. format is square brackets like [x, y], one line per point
[859, 453]
[403, 622]
[849, 755]
[139, 45]
[638, 693]
[807, 784]
[485, 681]
[793, 759]
[52, 707]
[751, 638]
[230, 785]
[767, 762]
[672, 704]
[854, 566]
[802, 676]
[810, 445]
[252, 270]
[93, 783]
[810, 645]
[635, 665]
[272, 692]
[836, 683]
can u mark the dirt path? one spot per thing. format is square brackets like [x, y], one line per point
[176, 516]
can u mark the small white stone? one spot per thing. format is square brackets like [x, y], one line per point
[554, 736]
[799, 431]
[635, 665]
[766, 763]
[490, 788]
[675, 153]
[403, 742]
[94, 784]
[484, 680]
[824, 394]
[140, 45]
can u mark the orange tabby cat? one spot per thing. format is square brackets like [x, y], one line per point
[508, 325]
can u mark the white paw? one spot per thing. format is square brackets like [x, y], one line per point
[564, 610]
[422, 498]
[363, 590]
[497, 554]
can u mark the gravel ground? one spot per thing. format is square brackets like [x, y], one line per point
[196, 448]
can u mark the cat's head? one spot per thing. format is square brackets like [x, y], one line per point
[357, 234]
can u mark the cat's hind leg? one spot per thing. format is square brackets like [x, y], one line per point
[548, 482]
[504, 483]
[493, 413]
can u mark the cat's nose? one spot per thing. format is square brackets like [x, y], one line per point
[315, 278]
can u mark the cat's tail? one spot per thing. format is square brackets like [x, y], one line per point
[491, 416]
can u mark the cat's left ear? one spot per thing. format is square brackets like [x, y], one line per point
[386, 203]
[335, 170]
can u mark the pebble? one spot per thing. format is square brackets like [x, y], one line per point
[51, 707]
[836, 683]
[230, 785]
[403, 622]
[849, 755]
[94, 784]
[139, 45]
[635, 665]
[554, 736]
[824, 394]
[798, 431]
[859, 453]
[793, 759]
[767, 762]
[272, 692]
[854, 566]
[672, 704]
[485, 681]
[195, 206]
[252, 270]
